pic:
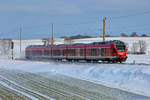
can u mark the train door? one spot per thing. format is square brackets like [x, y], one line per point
[103, 51]
[47, 52]
[81, 53]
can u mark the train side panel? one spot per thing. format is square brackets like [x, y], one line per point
[90, 52]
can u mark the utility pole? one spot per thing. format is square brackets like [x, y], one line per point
[20, 31]
[104, 23]
[52, 35]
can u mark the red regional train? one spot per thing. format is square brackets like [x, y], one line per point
[110, 51]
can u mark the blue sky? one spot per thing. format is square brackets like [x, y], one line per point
[72, 17]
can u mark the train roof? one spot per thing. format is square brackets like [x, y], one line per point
[115, 42]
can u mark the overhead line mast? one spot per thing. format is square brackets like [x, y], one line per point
[52, 37]
[104, 23]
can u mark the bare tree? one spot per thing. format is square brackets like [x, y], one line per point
[134, 48]
[142, 46]
[124, 35]
[144, 35]
[134, 34]
[68, 41]
[5, 46]
[138, 47]
[47, 41]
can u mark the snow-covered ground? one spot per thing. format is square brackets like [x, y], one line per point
[129, 77]
[139, 59]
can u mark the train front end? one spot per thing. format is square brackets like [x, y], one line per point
[121, 50]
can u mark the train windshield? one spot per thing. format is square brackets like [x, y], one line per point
[119, 45]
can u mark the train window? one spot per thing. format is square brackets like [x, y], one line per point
[81, 52]
[99, 51]
[88, 52]
[60, 52]
[47, 52]
[93, 52]
[39, 52]
[74, 52]
[33, 52]
[120, 47]
[71, 52]
[103, 51]
[56, 52]
[63, 52]
[30, 52]
[78, 52]
[36, 52]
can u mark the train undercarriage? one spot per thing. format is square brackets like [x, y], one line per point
[80, 59]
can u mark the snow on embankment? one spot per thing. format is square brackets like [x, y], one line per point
[138, 59]
[133, 78]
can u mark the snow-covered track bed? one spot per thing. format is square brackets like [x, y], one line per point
[62, 87]
[19, 90]
[9, 94]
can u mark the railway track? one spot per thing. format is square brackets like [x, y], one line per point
[58, 87]
[9, 94]
[29, 94]
[59, 91]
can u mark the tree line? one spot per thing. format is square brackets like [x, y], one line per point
[133, 34]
